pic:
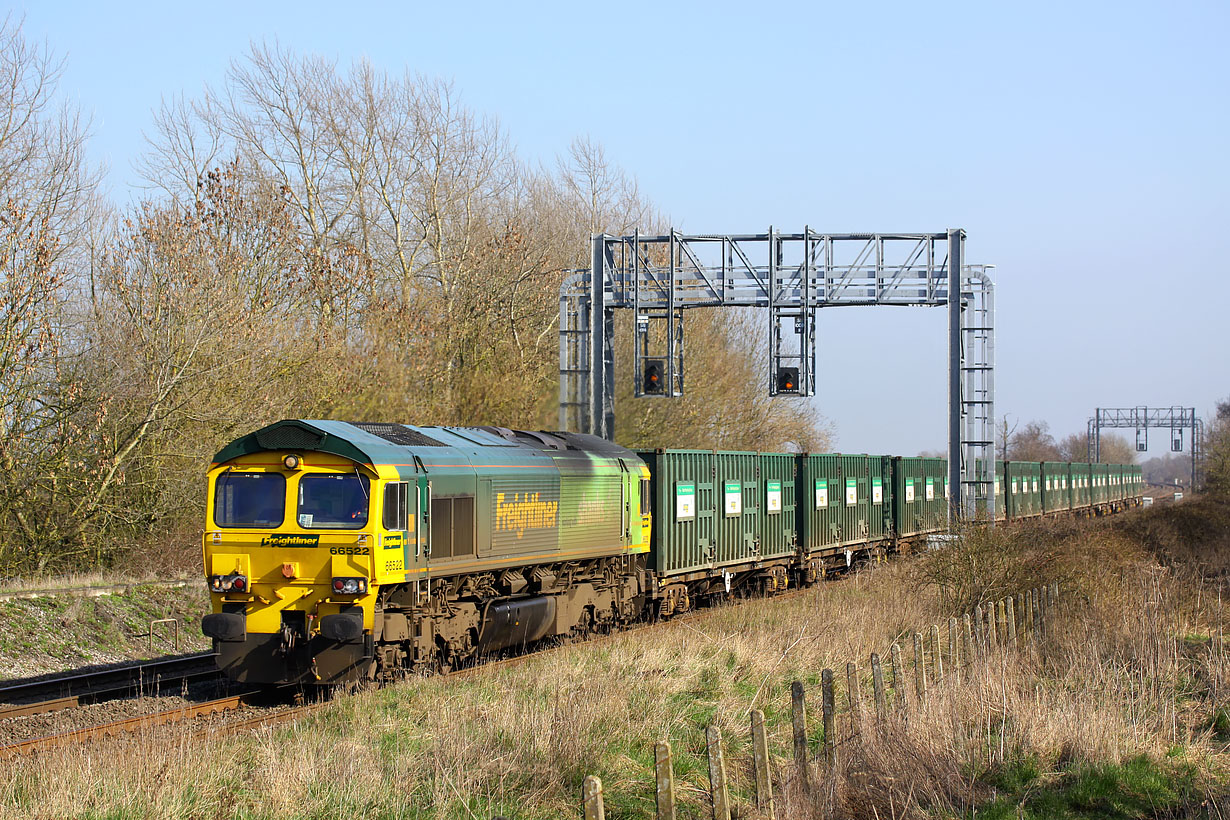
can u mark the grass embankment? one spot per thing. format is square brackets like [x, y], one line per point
[1119, 712]
[63, 631]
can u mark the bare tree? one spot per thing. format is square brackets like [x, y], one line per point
[48, 191]
[1033, 443]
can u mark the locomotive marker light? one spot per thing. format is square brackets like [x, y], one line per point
[228, 583]
[350, 586]
[291, 462]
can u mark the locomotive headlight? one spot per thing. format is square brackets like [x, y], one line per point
[291, 462]
[350, 586]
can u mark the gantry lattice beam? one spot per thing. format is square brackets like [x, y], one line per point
[793, 275]
[1142, 419]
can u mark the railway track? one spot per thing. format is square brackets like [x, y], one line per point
[128, 725]
[239, 702]
[50, 694]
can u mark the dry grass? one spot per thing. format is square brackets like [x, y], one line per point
[1133, 666]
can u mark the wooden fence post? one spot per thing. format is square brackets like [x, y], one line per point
[902, 691]
[591, 798]
[920, 669]
[954, 648]
[969, 639]
[827, 708]
[798, 718]
[1042, 612]
[937, 662]
[877, 684]
[1010, 617]
[664, 772]
[1001, 620]
[760, 764]
[992, 635]
[853, 696]
[980, 629]
[1028, 626]
[717, 774]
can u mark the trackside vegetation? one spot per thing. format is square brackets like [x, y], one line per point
[1120, 711]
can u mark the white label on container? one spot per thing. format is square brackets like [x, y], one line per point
[822, 495]
[909, 491]
[773, 496]
[851, 491]
[734, 498]
[877, 491]
[685, 502]
[930, 489]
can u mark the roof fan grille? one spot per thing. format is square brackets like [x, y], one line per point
[289, 437]
[397, 434]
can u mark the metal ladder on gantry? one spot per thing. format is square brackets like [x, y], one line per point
[793, 275]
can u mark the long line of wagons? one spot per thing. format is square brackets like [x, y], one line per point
[339, 551]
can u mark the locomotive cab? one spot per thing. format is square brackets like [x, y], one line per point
[289, 551]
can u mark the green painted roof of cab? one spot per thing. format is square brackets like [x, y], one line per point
[335, 437]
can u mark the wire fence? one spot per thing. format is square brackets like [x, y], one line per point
[945, 652]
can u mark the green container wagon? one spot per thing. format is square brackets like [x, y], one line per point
[685, 505]
[1056, 486]
[1024, 479]
[920, 492]
[1080, 484]
[778, 505]
[1100, 474]
[883, 516]
[738, 519]
[835, 512]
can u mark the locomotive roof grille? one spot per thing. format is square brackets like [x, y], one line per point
[397, 434]
[289, 437]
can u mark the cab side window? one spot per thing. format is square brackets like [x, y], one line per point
[644, 496]
[396, 505]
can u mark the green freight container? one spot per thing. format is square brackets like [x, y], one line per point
[1024, 488]
[1080, 485]
[921, 495]
[738, 516]
[685, 505]
[1118, 491]
[778, 505]
[1100, 474]
[883, 526]
[706, 509]
[836, 501]
[1056, 486]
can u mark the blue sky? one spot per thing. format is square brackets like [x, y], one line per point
[1083, 147]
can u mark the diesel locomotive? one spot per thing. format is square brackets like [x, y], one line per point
[336, 552]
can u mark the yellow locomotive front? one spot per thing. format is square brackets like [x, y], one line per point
[289, 547]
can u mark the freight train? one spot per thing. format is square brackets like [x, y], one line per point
[336, 552]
